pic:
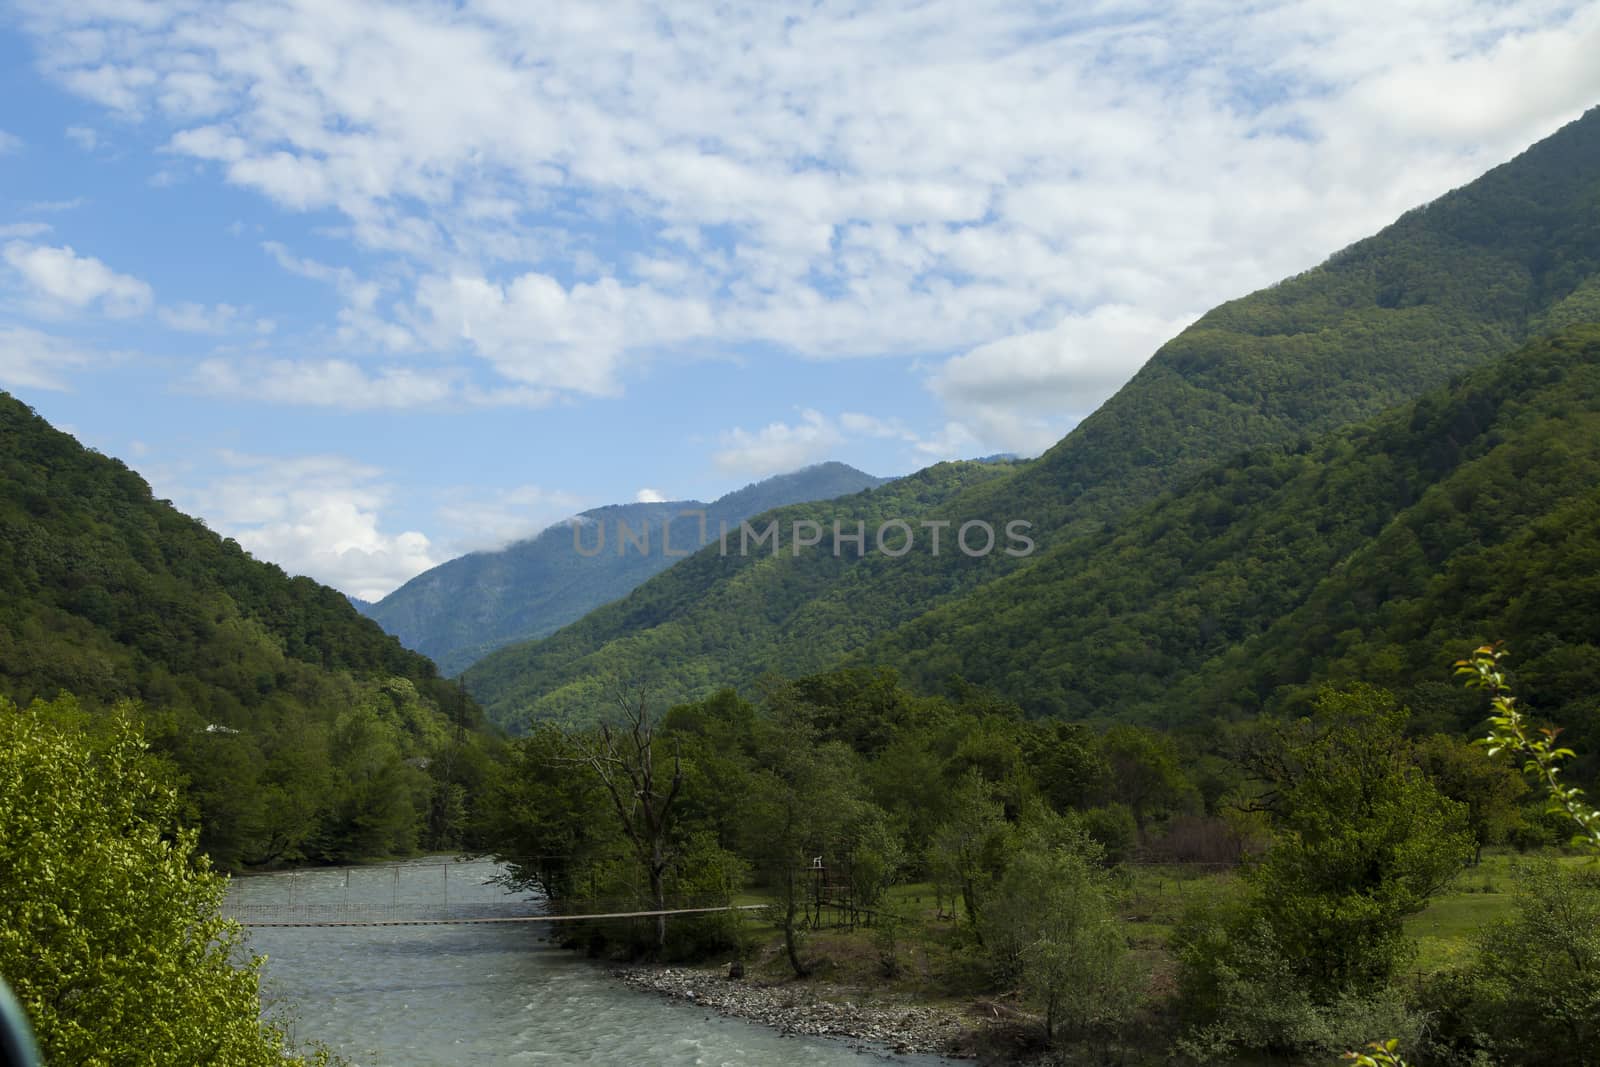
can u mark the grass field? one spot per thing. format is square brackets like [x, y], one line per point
[936, 958]
[1478, 896]
[932, 939]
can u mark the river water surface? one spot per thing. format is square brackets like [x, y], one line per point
[421, 996]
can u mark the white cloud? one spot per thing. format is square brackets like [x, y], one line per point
[338, 383]
[342, 277]
[475, 518]
[9, 142]
[536, 331]
[23, 229]
[1021, 393]
[197, 318]
[361, 322]
[63, 280]
[563, 194]
[33, 360]
[871, 426]
[779, 446]
[84, 137]
[315, 515]
[649, 496]
[954, 441]
[54, 206]
[320, 383]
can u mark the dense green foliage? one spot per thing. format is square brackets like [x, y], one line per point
[1531, 991]
[1373, 554]
[1514, 734]
[1446, 288]
[849, 766]
[1304, 962]
[462, 610]
[830, 793]
[1362, 838]
[303, 730]
[836, 788]
[110, 930]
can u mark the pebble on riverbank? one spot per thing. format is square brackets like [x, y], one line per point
[810, 1009]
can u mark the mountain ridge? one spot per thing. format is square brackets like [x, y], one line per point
[465, 608]
[1352, 559]
[1448, 286]
[302, 729]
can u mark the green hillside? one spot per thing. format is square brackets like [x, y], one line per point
[303, 729]
[1446, 288]
[1379, 554]
[460, 611]
[754, 598]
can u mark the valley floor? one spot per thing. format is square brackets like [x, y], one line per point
[939, 1001]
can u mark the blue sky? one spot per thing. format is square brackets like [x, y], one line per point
[369, 285]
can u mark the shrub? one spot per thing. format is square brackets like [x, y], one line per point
[1114, 828]
[1049, 925]
[111, 931]
[1532, 991]
[1243, 993]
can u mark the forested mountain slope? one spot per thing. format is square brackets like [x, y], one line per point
[1380, 553]
[1447, 287]
[303, 728]
[754, 597]
[460, 611]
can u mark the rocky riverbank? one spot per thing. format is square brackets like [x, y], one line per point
[813, 1009]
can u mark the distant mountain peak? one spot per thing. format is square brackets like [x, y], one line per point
[463, 609]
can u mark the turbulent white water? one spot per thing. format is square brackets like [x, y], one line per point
[419, 996]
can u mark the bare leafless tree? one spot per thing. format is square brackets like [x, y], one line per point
[624, 758]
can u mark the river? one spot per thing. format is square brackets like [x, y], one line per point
[420, 996]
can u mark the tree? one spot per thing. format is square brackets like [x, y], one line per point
[111, 932]
[806, 801]
[1467, 774]
[1050, 924]
[1511, 732]
[549, 818]
[1363, 840]
[379, 800]
[1067, 761]
[1531, 993]
[625, 763]
[969, 846]
[1145, 772]
[1556, 924]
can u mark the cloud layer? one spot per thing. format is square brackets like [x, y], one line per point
[524, 206]
[1029, 199]
[316, 515]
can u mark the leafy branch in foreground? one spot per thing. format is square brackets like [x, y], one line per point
[1509, 730]
[1378, 1054]
[111, 930]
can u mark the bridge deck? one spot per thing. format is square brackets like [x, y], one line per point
[496, 919]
